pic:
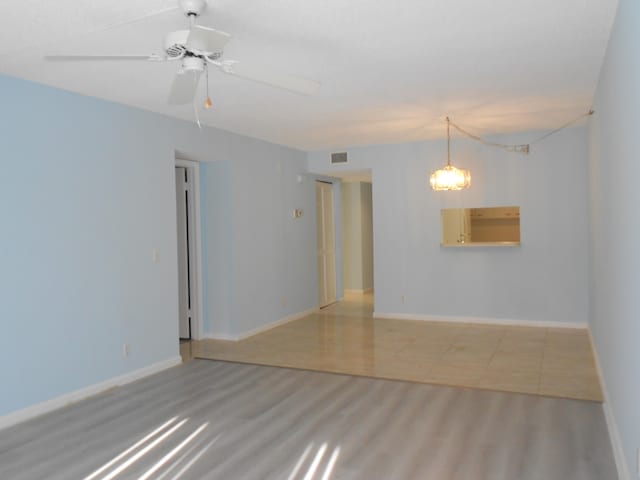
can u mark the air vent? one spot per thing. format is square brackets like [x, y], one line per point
[338, 158]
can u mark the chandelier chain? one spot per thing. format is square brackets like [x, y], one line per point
[523, 148]
[568, 124]
[448, 141]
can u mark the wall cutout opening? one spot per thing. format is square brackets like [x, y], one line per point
[485, 226]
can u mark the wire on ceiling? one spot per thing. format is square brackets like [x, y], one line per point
[523, 148]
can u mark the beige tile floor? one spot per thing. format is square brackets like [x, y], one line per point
[345, 338]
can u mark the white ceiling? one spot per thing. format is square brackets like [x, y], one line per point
[390, 70]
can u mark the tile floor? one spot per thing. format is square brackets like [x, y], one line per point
[345, 338]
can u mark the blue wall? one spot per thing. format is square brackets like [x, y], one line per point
[274, 254]
[614, 145]
[87, 192]
[544, 279]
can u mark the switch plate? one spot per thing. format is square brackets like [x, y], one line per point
[155, 255]
[126, 350]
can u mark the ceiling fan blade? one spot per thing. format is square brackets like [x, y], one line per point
[64, 58]
[207, 39]
[183, 89]
[292, 83]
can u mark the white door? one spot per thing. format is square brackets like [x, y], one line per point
[326, 244]
[182, 210]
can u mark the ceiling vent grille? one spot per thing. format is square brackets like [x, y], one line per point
[339, 158]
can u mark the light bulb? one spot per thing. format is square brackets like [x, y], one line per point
[207, 103]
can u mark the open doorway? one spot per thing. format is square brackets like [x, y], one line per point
[189, 321]
[357, 237]
[353, 240]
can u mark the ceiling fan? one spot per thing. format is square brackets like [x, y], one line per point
[196, 49]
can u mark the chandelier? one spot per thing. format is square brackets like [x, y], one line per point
[450, 177]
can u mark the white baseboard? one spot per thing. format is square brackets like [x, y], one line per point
[481, 320]
[72, 397]
[220, 336]
[612, 426]
[263, 328]
[358, 291]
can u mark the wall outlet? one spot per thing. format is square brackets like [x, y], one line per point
[155, 255]
[126, 350]
[403, 298]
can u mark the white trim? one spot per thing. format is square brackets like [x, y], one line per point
[353, 291]
[221, 336]
[194, 172]
[612, 426]
[263, 328]
[481, 320]
[358, 290]
[86, 392]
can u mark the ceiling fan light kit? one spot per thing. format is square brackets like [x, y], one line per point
[196, 48]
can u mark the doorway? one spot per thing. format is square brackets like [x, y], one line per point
[189, 250]
[326, 250]
[357, 236]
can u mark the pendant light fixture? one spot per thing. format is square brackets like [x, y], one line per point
[450, 177]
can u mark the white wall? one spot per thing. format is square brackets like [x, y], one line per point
[351, 236]
[614, 145]
[544, 279]
[87, 191]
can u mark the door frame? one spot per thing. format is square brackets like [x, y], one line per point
[332, 188]
[195, 247]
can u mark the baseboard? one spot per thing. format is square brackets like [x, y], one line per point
[358, 291]
[220, 336]
[263, 328]
[612, 426]
[481, 320]
[86, 392]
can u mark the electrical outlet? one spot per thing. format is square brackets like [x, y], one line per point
[403, 298]
[126, 350]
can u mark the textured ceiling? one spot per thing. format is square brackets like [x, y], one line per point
[390, 71]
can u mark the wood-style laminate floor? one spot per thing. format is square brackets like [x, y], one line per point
[218, 420]
[345, 338]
